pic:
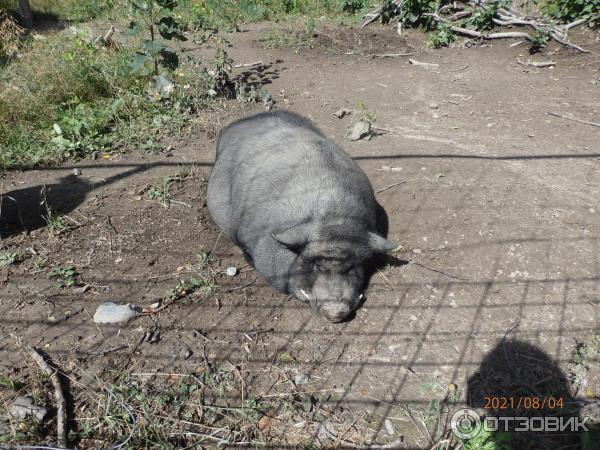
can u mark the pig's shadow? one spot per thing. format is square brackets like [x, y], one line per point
[26, 210]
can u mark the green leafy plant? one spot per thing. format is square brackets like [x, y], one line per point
[219, 76]
[8, 258]
[157, 18]
[64, 276]
[366, 115]
[353, 6]
[539, 40]
[488, 440]
[570, 10]
[186, 287]
[442, 36]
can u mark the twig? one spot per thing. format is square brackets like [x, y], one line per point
[257, 63]
[176, 202]
[390, 186]
[414, 62]
[594, 124]
[109, 34]
[537, 63]
[108, 350]
[65, 316]
[241, 287]
[371, 17]
[61, 405]
[389, 55]
[438, 271]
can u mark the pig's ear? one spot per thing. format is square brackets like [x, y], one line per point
[380, 244]
[294, 238]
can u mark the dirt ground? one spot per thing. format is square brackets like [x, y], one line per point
[498, 208]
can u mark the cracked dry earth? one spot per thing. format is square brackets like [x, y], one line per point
[498, 210]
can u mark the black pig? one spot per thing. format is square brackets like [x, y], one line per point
[300, 208]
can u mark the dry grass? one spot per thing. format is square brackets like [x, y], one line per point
[10, 35]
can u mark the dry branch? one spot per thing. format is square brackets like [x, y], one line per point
[414, 62]
[452, 14]
[61, 405]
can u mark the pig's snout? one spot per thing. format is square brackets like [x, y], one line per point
[336, 311]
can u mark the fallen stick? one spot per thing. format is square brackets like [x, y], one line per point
[414, 62]
[585, 122]
[389, 55]
[240, 287]
[568, 44]
[61, 405]
[390, 186]
[257, 63]
[480, 35]
[537, 63]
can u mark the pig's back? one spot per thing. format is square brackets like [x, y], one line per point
[276, 170]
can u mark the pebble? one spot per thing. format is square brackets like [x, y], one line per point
[300, 378]
[231, 271]
[23, 407]
[417, 250]
[360, 130]
[186, 353]
[112, 313]
[340, 113]
[434, 106]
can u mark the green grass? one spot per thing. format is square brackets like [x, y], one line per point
[228, 14]
[66, 10]
[68, 98]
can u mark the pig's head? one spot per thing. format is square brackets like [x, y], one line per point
[329, 271]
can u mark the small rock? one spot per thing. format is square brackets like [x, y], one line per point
[119, 260]
[23, 407]
[81, 289]
[156, 304]
[435, 116]
[186, 353]
[361, 129]
[112, 313]
[231, 271]
[300, 378]
[389, 427]
[341, 113]
[433, 106]
[76, 172]
[416, 250]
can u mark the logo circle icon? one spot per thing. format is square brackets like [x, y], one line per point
[465, 423]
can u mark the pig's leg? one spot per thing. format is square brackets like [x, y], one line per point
[273, 262]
